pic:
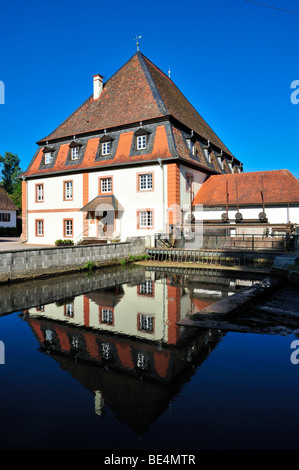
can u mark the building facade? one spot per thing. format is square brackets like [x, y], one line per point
[8, 210]
[126, 163]
[249, 202]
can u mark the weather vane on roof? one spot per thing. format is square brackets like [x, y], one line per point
[137, 42]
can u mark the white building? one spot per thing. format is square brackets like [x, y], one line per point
[126, 163]
[8, 210]
[249, 202]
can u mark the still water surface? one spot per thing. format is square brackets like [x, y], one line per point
[101, 364]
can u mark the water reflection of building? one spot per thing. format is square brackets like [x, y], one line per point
[110, 339]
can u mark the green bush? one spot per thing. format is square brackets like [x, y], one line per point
[63, 242]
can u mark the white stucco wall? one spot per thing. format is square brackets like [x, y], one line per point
[13, 219]
[53, 209]
[275, 215]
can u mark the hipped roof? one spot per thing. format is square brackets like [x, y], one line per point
[138, 91]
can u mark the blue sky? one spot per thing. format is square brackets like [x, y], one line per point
[234, 60]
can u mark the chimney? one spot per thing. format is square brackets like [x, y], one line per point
[97, 86]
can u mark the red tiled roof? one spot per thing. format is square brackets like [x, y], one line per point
[5, 201]
[138, 91]
[122, 156]
[280, 186]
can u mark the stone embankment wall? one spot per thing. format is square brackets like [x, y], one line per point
[30, 263]
[34, 293]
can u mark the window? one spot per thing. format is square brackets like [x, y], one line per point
[75, 342]
[48, 158]
[106, 185]
[145, 219]
[191, 144]
[75, 153]
[68, 228]
[141, 142]
[49, 336]
[39, 228]
[69, 310]
[106, 148]
[4, 217]
[68, 190]
[107, 316]
[146, 323]
[189, 182]
[106, 350]
[145, 182]
[39, 197]
[142, 362]
[146, 288]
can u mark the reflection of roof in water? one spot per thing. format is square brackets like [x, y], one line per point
[117, 377]
[108, 297]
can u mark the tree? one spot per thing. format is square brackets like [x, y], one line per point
[10, 171]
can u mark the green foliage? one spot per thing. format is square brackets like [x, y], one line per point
[60, 242]
[10, 173]
[132, 258]
[89, 265]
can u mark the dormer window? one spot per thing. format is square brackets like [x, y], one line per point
[141, 142]
[106, 145]
[207, 150]
[141, 136]
[48, 155]
[75, 153]
[106, 148]
[75, 146]
[191, 143]
[48, 158]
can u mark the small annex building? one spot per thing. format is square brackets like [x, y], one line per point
[8, 210]
[248, 202]
[126, 163]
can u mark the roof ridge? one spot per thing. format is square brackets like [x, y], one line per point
[152, 84]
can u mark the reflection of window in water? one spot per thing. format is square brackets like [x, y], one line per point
[69, 310]
[107, 316]
[146, 288]
[141, 361]
[147, 322]
[106, 350]
[75, 342]
[49, 336]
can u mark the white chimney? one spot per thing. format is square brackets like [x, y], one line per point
[97, 86]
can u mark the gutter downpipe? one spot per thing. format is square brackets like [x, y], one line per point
[24, 241]
[163, 192]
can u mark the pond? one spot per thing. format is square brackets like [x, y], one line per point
[98, 362]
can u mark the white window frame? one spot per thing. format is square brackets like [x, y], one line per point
[106, 185]
[75, 153]
[39, 192]
[146, 182]
[69, 309]
[106, 148]
[141, 142]
[48, 158]
[146, 219]
[68, 228]
[146, 322]
[107, 316]
[40, 228]
[68, 190]
[147, 287]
